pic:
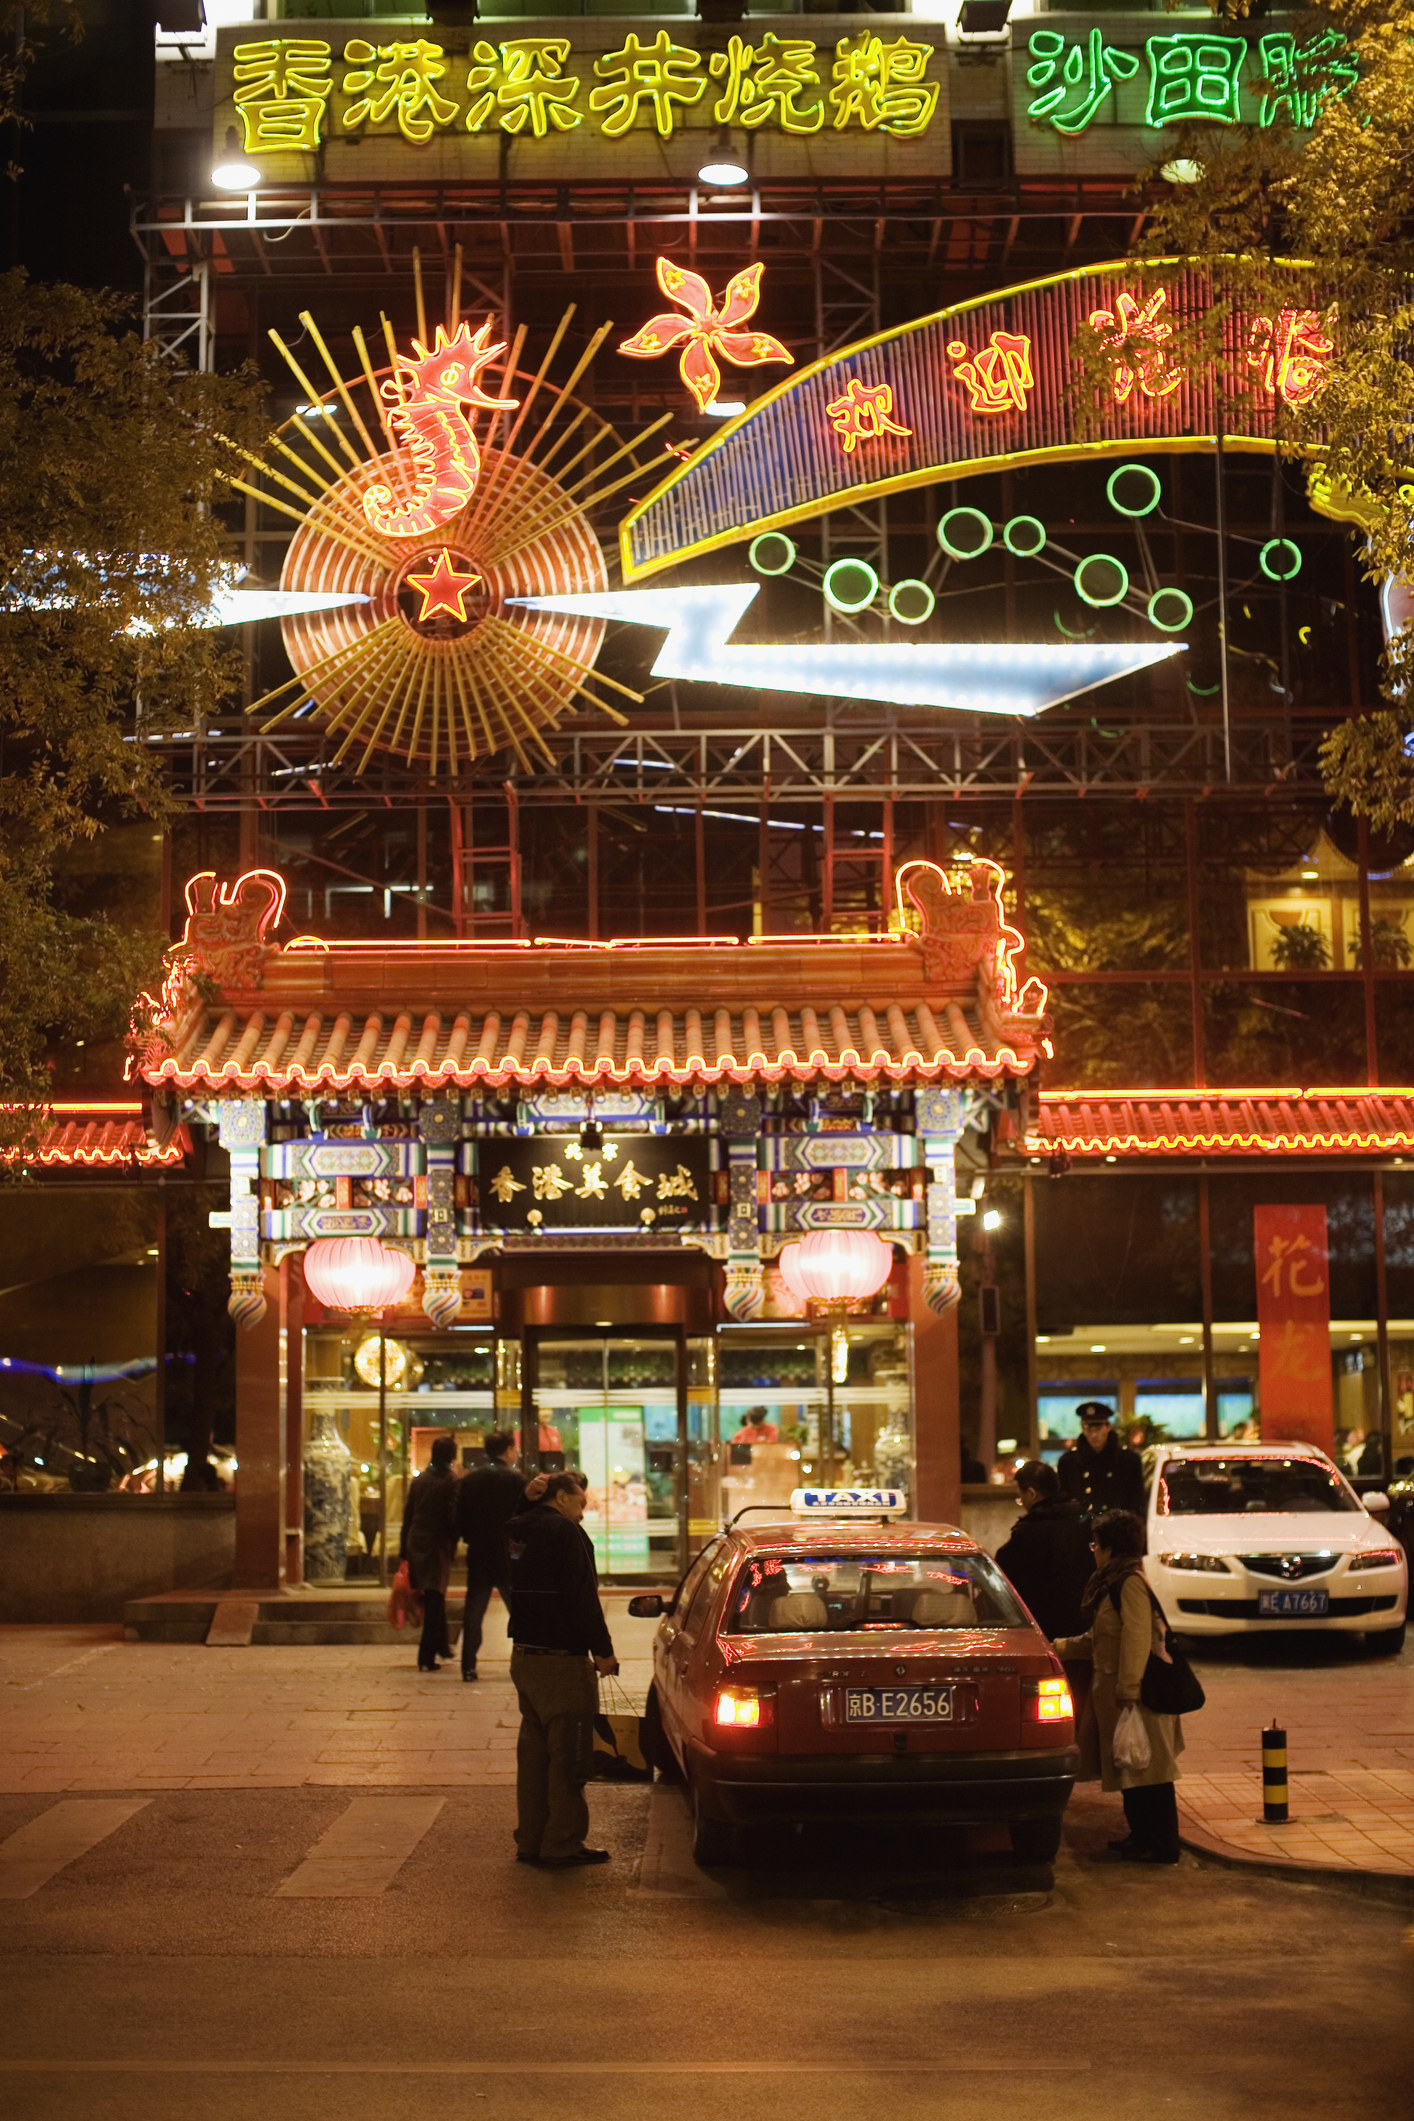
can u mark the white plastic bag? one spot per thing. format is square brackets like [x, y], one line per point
[1131, 1740]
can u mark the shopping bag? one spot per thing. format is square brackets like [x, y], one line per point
[618, 1754]
[404, 1603]
[1131, 1740]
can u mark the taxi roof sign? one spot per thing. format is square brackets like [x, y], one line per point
[848, 1502]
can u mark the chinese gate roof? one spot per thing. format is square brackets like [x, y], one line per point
[108, 1137]
[1271, 1122]
[938, 1002]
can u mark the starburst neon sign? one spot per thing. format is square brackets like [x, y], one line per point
[426, 395]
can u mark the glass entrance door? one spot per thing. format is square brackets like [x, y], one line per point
[615, 1406]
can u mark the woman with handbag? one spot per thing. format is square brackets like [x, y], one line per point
[1125, 1632]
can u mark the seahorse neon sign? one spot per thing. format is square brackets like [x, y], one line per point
[426, 395]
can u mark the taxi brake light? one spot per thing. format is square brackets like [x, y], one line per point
[1053, 1702]
[740, 1709]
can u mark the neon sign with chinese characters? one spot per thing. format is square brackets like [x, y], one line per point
[630, 1181]
[301, 94]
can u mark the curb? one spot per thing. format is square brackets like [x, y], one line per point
[1394, 1887]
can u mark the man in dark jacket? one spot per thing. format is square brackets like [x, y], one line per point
[487, 1499]
[1048, 1555]
[1099, 1473]
[560, 1641]
[429, 1540]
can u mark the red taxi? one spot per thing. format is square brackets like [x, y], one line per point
[840, 1666]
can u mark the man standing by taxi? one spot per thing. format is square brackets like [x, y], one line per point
[1100, 1474]
[559, 1645]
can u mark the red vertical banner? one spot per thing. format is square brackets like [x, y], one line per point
[1294, 1314]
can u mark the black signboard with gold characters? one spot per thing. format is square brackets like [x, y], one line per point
[629, 1181]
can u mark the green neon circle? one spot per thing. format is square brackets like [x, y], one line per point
[1149, 481]
[850, 585]
[1280, 560]
[1170, 610]
[1104, 572]
[772, 553]
[1024, 537]
[952, 528]
[911, 603]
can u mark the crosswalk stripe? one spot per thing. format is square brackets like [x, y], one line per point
[36, 1852]
[364, 1849]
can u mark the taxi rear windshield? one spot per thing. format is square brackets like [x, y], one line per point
[1231, 1487]
[824, 1593]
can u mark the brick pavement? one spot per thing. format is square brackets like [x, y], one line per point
[82, 1711]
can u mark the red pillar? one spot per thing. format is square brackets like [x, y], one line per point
[292, 1306]
[936, 1428]
[260, 1447]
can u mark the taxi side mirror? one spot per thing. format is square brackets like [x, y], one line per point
[647, 1606]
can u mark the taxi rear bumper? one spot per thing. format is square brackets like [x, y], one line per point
[970, 1789]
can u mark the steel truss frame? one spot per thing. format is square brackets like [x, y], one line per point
[869, 756]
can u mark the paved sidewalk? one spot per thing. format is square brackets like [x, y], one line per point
[82, 1711]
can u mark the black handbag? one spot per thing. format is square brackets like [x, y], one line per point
[1170, 1686]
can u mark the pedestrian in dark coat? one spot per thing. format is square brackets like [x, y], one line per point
[488, 1498]
[1100, 1474]
[560, 1644]
[1047, 1557]
[429, 1540]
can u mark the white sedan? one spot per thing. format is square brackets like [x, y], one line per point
[1257, 1537]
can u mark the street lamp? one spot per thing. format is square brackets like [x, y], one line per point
[233, 172]
[361, 1276]
[833, 1270]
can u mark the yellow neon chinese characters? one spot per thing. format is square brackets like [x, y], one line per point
[549, 1182]
[660, 74]
[773, 79]
[504, 1186]
[525, 84]
[879, 85]
[401, 78]
[281, 86]
[998, 376]
[677, 1185]
[861, 414]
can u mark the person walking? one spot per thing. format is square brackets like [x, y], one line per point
[1124, 1626]
[427, 1545]
[1100, 1474]
[559, 1643]
[1047, 1558]
[488, 1498]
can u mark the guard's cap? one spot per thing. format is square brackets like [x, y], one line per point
[1094, 1410]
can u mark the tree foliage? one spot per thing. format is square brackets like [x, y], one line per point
[109, 555]
[1338, 198]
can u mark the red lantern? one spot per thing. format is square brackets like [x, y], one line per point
[357, 1273]
[836, 1267]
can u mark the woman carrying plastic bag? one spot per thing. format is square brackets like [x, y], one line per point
[1124, 1629]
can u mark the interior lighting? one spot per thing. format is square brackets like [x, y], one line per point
[1133, 489]
[772, 553]
[233, 172]
[967, 677]
[396, 1361]
[1309, 876]
[1280, 560]
[965, 533]
[850, 586]
[1024, 537]
[911, 603]
[1099, 1347]
[1170, 610]
[1101, 580]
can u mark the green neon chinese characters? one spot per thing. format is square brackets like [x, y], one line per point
[1189, 76]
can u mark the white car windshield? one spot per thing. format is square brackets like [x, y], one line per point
[795, 1593]
[1241, 1487]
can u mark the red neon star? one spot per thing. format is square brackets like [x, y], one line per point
[444, 589]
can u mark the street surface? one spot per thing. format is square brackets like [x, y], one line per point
[349, 1946]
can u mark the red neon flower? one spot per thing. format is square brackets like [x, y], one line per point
[705, 329]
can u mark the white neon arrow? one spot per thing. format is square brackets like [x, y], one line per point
[237, 607]
[972, 677]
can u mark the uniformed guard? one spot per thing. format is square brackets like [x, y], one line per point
[1100, 1474]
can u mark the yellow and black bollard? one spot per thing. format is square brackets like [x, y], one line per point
[1274, 1789]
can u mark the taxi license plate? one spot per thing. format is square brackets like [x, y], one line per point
[1293, 1605]
[898, 1704]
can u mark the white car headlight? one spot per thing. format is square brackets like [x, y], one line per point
[1377, 1558]
[1207, 1564]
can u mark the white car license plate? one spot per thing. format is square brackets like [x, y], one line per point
[898, 1704]
[1293, 1605]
